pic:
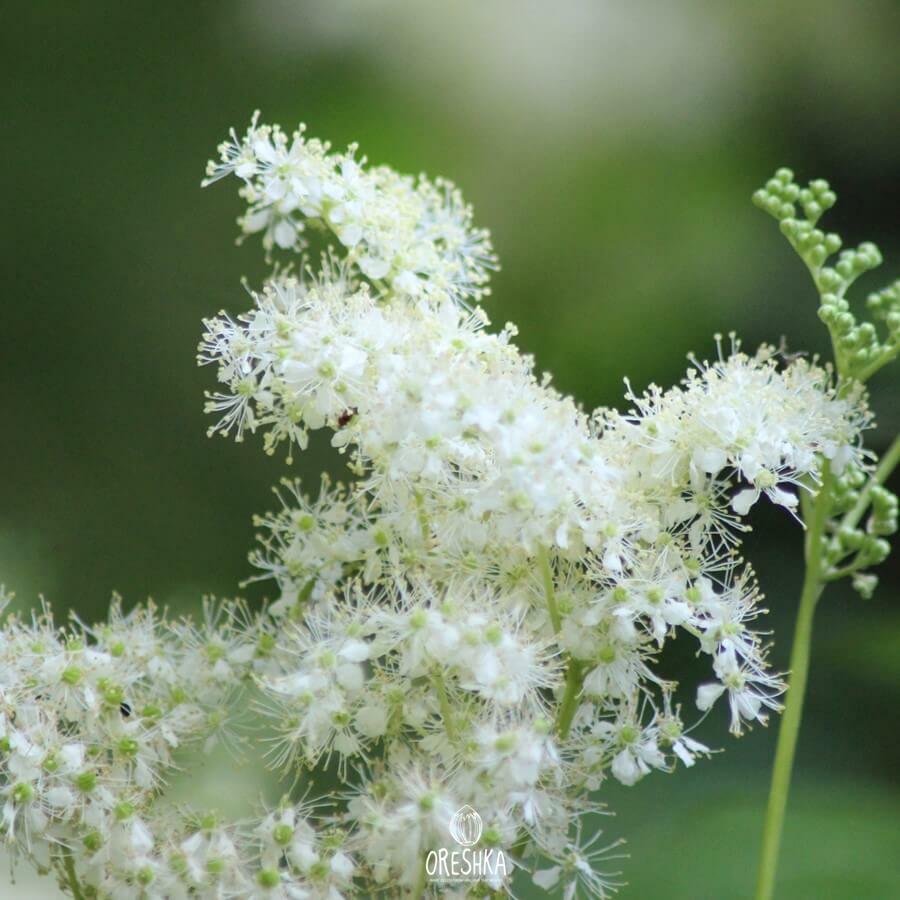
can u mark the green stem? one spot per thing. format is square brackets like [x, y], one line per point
[877, 364]
[888, 463]
[569, 704]
[71, 877]
[847, 571]
[549, 592]
[420, 882]
[446, 712]
[422, 515]
[574, 670]
[789, 729]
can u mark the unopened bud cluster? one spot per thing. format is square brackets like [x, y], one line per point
[859, 351]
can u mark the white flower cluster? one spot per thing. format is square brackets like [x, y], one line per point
[474, 621]
[412, 236]
[90, 721]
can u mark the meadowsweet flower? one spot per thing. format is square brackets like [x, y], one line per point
[472, 624]
[470, 469]
[414, 235]
[579, 868]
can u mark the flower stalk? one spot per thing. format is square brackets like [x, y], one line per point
[789, 728]
[71, 877]
[835, 547]
[574, 682]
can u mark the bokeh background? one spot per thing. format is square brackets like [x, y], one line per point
[612, 147]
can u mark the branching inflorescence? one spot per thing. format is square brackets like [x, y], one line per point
[475, 620]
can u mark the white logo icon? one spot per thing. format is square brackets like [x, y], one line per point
[465, 827]
[467, 863]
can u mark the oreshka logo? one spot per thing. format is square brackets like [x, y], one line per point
[466, 827]
[469, 863]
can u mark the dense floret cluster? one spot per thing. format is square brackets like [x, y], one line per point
[474, 621]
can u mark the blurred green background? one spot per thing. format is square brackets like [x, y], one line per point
[611, 147]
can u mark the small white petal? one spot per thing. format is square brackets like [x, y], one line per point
[707, 694]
